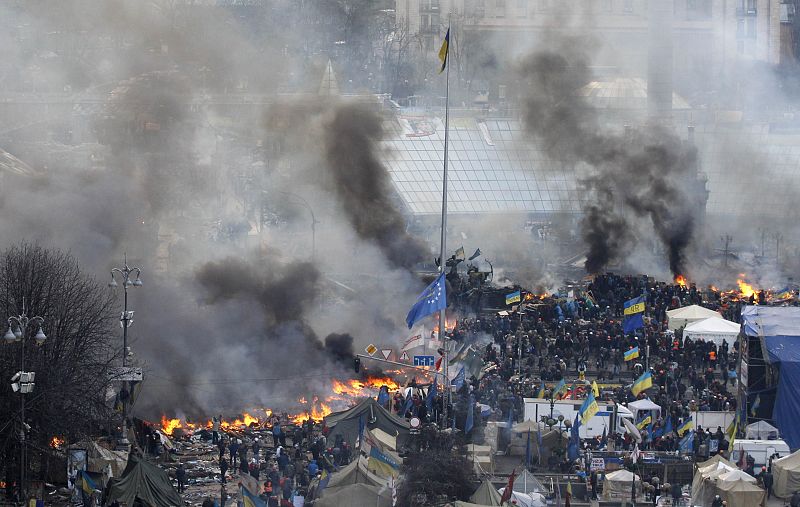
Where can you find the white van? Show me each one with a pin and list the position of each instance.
(760, 450)
(601, 422)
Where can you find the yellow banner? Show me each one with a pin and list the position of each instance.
(637, 308)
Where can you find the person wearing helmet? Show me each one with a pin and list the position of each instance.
(717, 501)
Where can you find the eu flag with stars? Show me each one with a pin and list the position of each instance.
(634, 311)
(432, 299)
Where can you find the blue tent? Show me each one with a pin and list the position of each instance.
(778, 328)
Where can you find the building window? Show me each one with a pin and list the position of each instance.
(500, 5)
(522, 8)
(698, 10)
(751, 28)
(544, 5)
(627, 6)
(476, 8)
(428, 5)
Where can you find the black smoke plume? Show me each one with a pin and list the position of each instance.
(362, 183)
(645, 172)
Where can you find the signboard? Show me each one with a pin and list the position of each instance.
(424, 361)
(371, 349)
(386, 353)
(126, 374)
(598, 464)
(404, 356)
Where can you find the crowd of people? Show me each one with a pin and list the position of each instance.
(543, 342)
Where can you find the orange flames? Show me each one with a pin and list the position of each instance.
(57, 442)
(358, 388)
(745, 289)
(168, 426)
(317, 413)
(681, 280)
(344, 392)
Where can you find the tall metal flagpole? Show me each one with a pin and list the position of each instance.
(443, 245)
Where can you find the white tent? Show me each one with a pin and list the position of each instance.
(681, 317)
(527, 499)
(736, 475)
(713, 329)
(618, 485)
(761, 430)
(787, 475)
(643, 405)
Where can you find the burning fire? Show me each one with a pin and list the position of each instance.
(317, 413)
(357, 388)
(56, 442)
(745, 288)
(343, 391)
(680, 280)
(168, 426)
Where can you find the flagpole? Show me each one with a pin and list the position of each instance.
(443, 243)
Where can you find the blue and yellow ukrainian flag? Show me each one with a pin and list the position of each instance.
(755, 405)
(588, 409)
(561, 386)
(514, 297)
(540, 394)
(634, 310)
(87, 484)
(647, 419)
(642, 383)
(444, 51)
(631, 354)
(686, 426)
(251, 500)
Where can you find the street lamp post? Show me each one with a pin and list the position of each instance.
(127, 319)
(23, 381)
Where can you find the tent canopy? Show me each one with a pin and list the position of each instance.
(643, 405)
(485, 494)
(786, 471)
(779, 331)
(761, 430)
(713, 329)
(736, 475)
(355, 494)
(618, 484)
(347, 423)
(144, 481)
(526, 482)
(681, 317)
(740, 493)
(354, 473)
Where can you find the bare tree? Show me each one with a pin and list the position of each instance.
(72, 367)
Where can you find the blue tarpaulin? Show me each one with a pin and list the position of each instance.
(779, 331)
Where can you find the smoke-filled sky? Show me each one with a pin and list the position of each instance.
(197, 143)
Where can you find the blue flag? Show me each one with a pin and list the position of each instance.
(430, 396)
(574, 440)
(687, 442)
(634, 312)
(459, 379)
(432, 299)
(383, 396)
(470, 415)
(528, 451)
(408, 404)
(668, 426)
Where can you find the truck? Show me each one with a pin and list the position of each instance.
(762, 451)
(603, 420)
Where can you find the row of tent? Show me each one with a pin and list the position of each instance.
(720, 477)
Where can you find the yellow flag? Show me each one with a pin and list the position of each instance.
(595, 389)
(444, 51)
